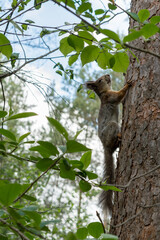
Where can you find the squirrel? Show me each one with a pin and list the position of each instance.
(108, 130)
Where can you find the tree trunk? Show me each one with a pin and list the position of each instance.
(136, 213)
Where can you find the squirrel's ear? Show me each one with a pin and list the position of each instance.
(90, 85)
(108, 78)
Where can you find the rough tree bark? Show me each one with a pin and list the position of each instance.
(136, 213)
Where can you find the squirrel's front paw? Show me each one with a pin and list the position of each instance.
(119, 135)
(130, 82)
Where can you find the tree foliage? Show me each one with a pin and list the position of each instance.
(22, 214)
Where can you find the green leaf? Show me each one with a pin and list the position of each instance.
(87, 37)
(133, 16)
(42, 151)
(5, 46)
(24, 26)
(84, 7)
(143, 15)
(70, 3)
(2, 147)
(8, 134)
(66, 171)
(23, 137)
(106, 188)
(114, 36)
(30, 208)
(76, 164)
(132, 36)
(3, 114)
(65, 48)
(99, 11)
(30, 198)
(14, 213)
(72, 59)
(78, 132)
(84, 186)
(121, 62)
(80, 87)
(14, 57)
(86, 159)
(103, 59)
(76, 43)
(29, 21)
(95, 229)
(112, 6)
(2, 237)
(17, 26)
(73, 146)
(44, 164)
(59, 72)
(14, 3)
(35, 216)
(155, 19)
(21, 115)
(50, 148)
(45, 32)
(89, 54)
(112, 62)
(92, 95)
(149, 30)
(37, 4)
(71, 236)
(9, 192)
(44, 223)
(106, 236)
(91, 175)
(82, 233)
(58, 126)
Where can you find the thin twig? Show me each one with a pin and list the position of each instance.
(4, 75)
(36, 180)
(31, 231)
(142, 50)
(141, 175)
(75, 14)
(23, 50)
(99, 217)
(14, 229)
(10, 15)
(134, 216)
(29, 9)
(4, 101)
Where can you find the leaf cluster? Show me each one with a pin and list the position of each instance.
(26, 218)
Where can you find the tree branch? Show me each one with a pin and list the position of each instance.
(99, 217)
(4, 75)
(134, 216)
(14, 229)
(141, 175)
(29, 9)
(142, 50)
(75, 14)
(36, 180)
(10, 15)
(4, 101)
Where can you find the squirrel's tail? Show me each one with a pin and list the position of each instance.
(106, 197)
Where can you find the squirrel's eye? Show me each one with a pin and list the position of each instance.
(99, 80)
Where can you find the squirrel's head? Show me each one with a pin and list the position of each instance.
(101, 85)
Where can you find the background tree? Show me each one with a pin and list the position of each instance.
(138, 168)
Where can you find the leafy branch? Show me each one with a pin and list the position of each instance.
(4, 75)
(14, 229)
